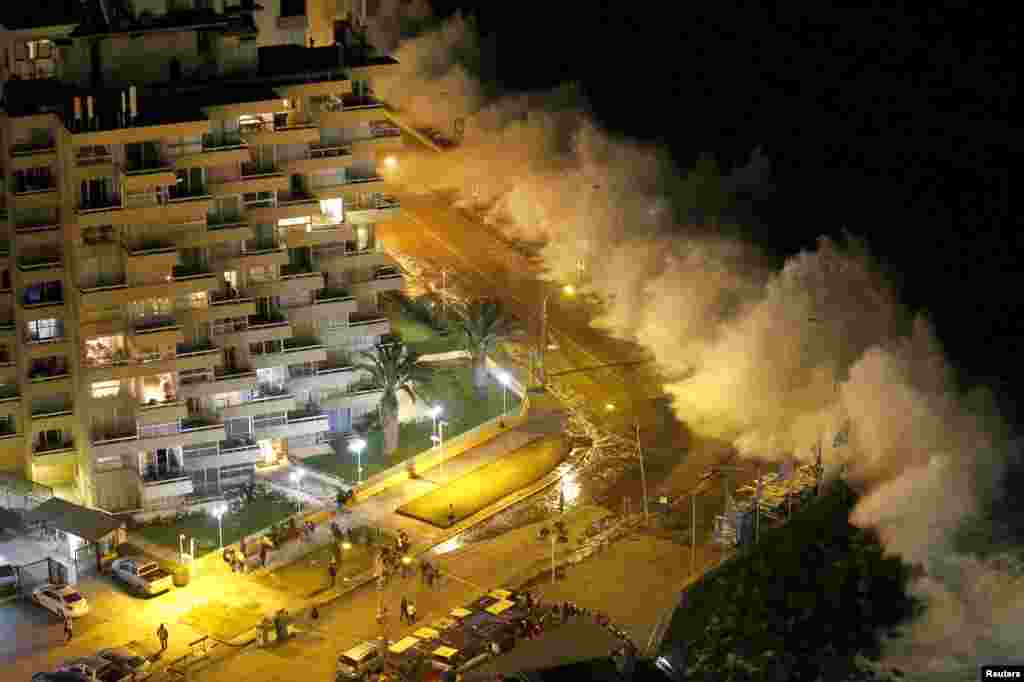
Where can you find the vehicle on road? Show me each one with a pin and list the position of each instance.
(130, 656)
(360, 661)
(96, 669)
(61, 600)
(8, 576)
(143, 576)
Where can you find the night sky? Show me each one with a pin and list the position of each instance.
(892, 125)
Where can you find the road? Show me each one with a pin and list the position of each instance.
(603, 370)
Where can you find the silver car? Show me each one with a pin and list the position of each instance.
(130, 657)
(360, 661)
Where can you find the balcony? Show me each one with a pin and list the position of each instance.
(328, 305)
(221, 308)
(165, 412)
(294, 352)
(197, 356)
(385, 279)
(157, 331)
(351, 111)
(224, 381)
(142, 177)
(35, 197)
(263, 405)
(180, 284)
(255, 177)
(219, 149)
(218, 232)
(51, 448)
(318, 234)
(294, 283)
(294, 133)
(373, 210)
(256, 255)
(152, 211)
(183, 432)
(36, 150)
(155, 487)
(320, 157)
(294, 207)
(361, 394)
(305, 379)
(289, 424)
(347, 189)
(225, 453)
(48, 375)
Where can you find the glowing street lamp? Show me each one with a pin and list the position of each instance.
(356, 446)
(435, 412)
(504, 378)
(297, 480)
(568, 290)
(390, 162)
(438, 439)
(218, 512)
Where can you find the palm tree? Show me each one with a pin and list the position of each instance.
(483, 324)
(394, 368)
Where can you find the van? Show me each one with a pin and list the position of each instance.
(360, 660)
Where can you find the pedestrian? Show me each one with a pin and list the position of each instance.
(314, 613)
(411, 611)
(332, 571)
(68, 629)
(451, 514)
(403, 610)
(263, 555)
(430, 576)
(162, 634)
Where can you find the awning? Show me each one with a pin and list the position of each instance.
(89, 524)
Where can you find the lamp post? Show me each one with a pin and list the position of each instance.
(438, 439)
(297, 480)
(218, 512)
(568, 290)
(504, 378)
(435, 412)
(356, 446)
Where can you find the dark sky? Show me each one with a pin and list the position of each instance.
(892, 125)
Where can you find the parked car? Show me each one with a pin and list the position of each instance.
(8, 576)
(360, 660)
(63, 676)
(143, 576)
(129, 656)
(61, 600)
(96, 669)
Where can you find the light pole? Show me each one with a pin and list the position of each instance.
(345, 546)
(297, 480)
(218, 512)
(438, 439)
(356, 446)
(504, 378)
(568, 290)
(643, 471)
(435, 412)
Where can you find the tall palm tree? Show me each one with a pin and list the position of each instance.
(483, 323)
(394, 368)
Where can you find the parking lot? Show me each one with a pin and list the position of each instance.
(32, 638)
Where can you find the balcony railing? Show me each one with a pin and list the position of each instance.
(50, 447)
(330, 295)
(362, 319)
(23, 188)
(191, 349)
(148, 167)
(32, 148)
(372, 203)
(220, 141)
(175, 194)
(295, 345)
(39, 262)
(184, 272)
(171, 475)
(266, 319)
(350, 101)
(296, 270)
(328, 150)
(43, 375)
(96, 205)
(220, 222)
(257, 168)
(154, 324)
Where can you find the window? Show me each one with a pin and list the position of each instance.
(97, 193)
(44, 330)
(45, 292)
(105, 350)
(142, 155)
(262, 273)
(103, 234)
(106, 389)
(191, 183)
(35, 59)
(258, 198)
(7, 424)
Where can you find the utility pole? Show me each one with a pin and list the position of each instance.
(543, 345)
(693, 531)
(643, 471)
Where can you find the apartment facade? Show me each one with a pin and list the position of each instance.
(189, 261)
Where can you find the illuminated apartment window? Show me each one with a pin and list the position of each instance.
(262, 273)
(105, 350)
(158, 388)
(35, 59)
(45, 330)
(106, 389)
(197, 299)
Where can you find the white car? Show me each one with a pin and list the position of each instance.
(61, 600)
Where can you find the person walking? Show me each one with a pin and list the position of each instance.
(451, 515)
(162, 634)
(68, 629)
(263, 555)
(410, 611)
(332, 571)
(403, 610)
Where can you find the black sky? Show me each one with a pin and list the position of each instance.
(890, 123)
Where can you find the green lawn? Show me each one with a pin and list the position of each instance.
(469, 494)
(255, 516)
(420, 336)
(307, 577)
(451, 387)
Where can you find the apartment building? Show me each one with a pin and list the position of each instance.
(188, 260)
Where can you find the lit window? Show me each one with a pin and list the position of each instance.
(198, 300)
(106, 389)
(105, 350)
(42, 330)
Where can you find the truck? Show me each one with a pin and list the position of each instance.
(143, 576)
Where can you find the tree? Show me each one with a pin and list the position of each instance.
(393, 368)
(483, 324)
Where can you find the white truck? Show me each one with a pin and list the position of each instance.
(143, 576)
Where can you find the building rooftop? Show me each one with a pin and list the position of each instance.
(87, 523)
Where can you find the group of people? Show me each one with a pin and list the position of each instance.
(237, 559)
(407, 611)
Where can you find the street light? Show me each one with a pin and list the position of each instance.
(568, 290)
(504, 378)
(356, 446)
(438, 439)
(297, 480)
(218, 511)
(435, 412)
(390, 162)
